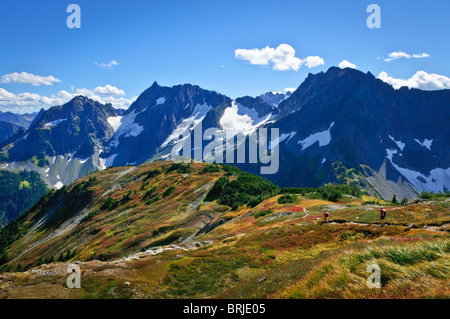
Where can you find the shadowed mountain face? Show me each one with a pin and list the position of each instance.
(8, 130)
(345, 120)
(62, 143)
(341, 126)
(73, 128)
(158, 113)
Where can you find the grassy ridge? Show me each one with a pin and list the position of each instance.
(277, 247)
(404, 271)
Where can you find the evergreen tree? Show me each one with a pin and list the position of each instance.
(394, 200)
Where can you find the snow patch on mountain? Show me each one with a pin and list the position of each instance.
(114, 121)
(426, 143)
(282, 138)
(54, 123)
(20, 139)
(58, 185)
(240, 119)
(274, 98)
(107, 162)
(127, 128)
(400, 145)
(438, 179)
(160, 101)
(188, 124)
(324, 138)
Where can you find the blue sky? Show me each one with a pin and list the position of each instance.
(175, 42)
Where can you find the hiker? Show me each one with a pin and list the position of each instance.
(325, 215)
(382, 216)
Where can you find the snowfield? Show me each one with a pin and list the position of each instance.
(107, 162)
(426, 143)
(239, 119)
(115, 122)
(400, 145)
(324, 138)
(438, 179)
(126, 128)
(188, 124)
(54, 123)
(58, 185)
(281, 139)
(160, 101)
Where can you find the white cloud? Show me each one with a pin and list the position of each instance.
(282, 57)
(421, 80)
(313, 61)
(108, 90)
(421, 56)
(31, 102)
(345, 64)
(255, 56)
(28, 78)
(400, 54)
(108, 65)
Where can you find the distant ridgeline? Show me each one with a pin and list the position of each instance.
(18, 192)
(341, 126)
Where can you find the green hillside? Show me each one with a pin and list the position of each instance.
(165, 230)
(18, 192)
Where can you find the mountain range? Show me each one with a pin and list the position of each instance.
(11, 123)
(341, 126)
(20, 119)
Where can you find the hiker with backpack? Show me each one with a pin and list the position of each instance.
(325, 216)
(382, 216)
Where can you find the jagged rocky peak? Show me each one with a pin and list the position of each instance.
(74, 127)
(177, 98)
(274, 98)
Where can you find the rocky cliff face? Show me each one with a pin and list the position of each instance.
(62, 143)
(350, 125)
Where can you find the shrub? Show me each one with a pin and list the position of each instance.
(149, 193)
(432, 195)
(109, 204)
(287, 198)
(334, 192)
(179, 168)
(247, 189)
(125, 198)
(210, 169)
(151, 174)
(262, 213)
(168, 191)
(300, 190)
